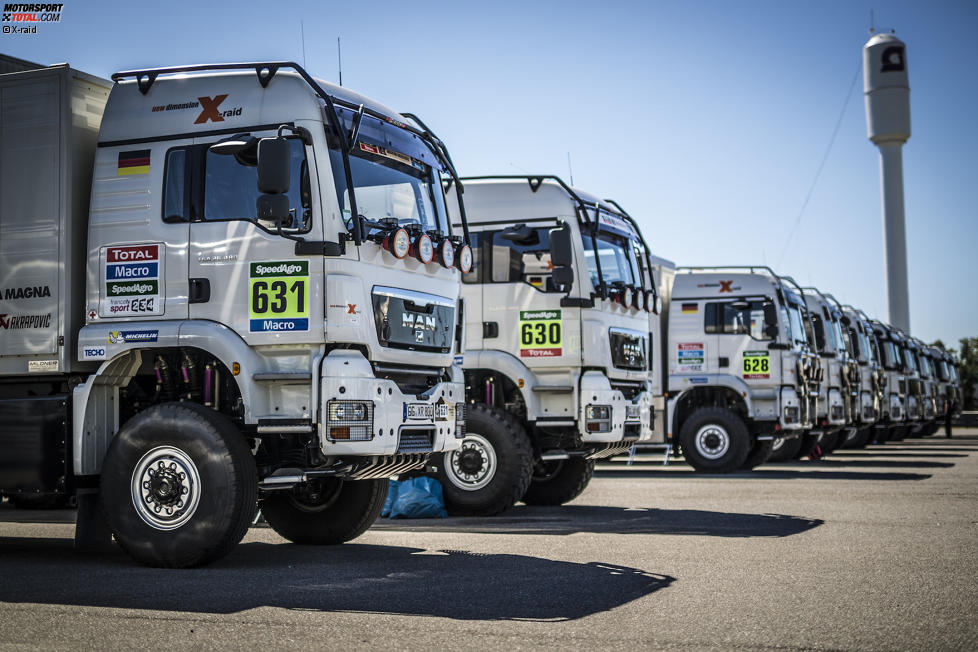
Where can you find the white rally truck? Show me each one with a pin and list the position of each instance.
(557, 349)
(893, 417)
(741, 373)
(872, 378)
(222, 284)
(835, 404)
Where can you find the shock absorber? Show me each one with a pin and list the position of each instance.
(166, 385)
(191, 381)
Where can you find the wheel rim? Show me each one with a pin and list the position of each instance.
(316, 496)
(712, 441)
(473, 466)
(166, 488)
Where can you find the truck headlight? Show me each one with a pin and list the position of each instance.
(791, 414)
(597, 418)
(836, 412)
(350, 420)
(632, 412)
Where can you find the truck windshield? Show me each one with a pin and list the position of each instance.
(617, 259)
(798, 324)
(839, 338)
(389, 184)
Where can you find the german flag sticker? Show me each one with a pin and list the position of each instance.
(133, 162)
(690, 308)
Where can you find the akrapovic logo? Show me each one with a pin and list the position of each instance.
(24, 321)
(32, 13)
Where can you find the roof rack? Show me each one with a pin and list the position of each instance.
(753, 269)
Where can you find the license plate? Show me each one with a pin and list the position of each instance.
(446, 412)
(419, 411)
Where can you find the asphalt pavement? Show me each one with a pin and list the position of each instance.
(867, 550)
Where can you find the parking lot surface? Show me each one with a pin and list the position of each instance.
(874, 549)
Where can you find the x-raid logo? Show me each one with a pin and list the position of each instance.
(210, 109)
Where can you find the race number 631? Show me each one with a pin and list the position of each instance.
(279, 296)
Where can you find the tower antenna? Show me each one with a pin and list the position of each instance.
(339, 58)
(570, 169)
(872, 22)
(302, 33)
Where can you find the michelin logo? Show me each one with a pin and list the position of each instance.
(129, 337)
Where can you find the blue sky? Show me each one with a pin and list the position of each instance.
(706, 120)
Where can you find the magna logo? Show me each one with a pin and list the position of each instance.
(209, 110)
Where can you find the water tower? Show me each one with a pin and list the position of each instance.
(888, 126)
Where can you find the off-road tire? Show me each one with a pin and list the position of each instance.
(786, 451)
(697, 426)
(863, 437)
(556, 486)
(829, 442)
(513, 464)
(759, 453)
(808, 444)
(226, 491)
(344, 510)
(898, 433)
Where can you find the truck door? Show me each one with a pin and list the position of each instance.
(242, 272)
(521, 307)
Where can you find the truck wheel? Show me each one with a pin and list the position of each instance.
(829, 442)
(898, 433)
(559, 481)
(492, 469)
(860, 439)
(786, 450)
(759, 453)
(715, 440)
(325, 512)
(178, 486)
(808, 444)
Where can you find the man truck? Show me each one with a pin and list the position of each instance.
(557, 348)
(221, 284)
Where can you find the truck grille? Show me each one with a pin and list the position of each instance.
(416, 441)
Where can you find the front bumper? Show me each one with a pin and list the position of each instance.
(397, 423)
(629, 419)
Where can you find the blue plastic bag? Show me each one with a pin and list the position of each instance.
(415, 498)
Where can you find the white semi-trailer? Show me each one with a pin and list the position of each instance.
(221, 284)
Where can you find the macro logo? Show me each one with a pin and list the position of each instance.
(32, 13)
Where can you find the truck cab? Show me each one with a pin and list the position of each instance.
(741, 374)
(835, 407)
(268, 305)
(893, 419)
(557, 347)
(870, 376)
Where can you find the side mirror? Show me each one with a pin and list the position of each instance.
(563, 277)
(561, 247)
(274, 166)
(770, 317)
(274, 208)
